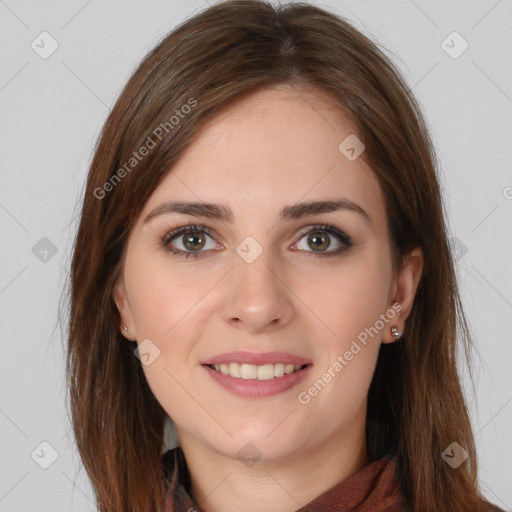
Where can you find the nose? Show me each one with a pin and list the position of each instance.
(257, 297)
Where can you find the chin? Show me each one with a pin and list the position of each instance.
(257, 444)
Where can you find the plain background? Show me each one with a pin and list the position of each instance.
(52, 110)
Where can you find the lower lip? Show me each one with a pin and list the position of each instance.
(254, 388)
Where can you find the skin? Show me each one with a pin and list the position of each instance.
(272, 149)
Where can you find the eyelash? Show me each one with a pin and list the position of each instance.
(192, 228)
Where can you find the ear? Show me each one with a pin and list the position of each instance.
(405, 287)
(125, 317)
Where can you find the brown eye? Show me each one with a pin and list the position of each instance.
(194, 241)
(189, 240)
(319, 241)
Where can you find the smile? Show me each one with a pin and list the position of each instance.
(259, 372)
(258, 381)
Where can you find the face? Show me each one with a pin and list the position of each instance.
(262, 283)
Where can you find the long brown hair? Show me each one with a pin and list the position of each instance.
(222, 54)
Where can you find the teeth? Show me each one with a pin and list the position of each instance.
(252, 371)
(278, 370)
(248, 371)
(265, 372)
(234, 369)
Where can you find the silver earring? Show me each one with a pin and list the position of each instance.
(125, 328)
(395, 332)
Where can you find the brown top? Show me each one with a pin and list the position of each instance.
(374, 488)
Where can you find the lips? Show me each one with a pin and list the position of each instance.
(255, 358)
(257, 375)
(254, 388)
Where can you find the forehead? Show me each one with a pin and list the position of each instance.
(275, 147)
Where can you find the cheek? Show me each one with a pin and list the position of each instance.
(166, 308)
(350, 306)
(358, 298)
(169, 306)
(163, 297)
(350, 298)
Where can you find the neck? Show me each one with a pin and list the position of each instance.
(220, 483)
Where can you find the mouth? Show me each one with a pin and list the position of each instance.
(267, 371)
(257, 374)
(251, 381)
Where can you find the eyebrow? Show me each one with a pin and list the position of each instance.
(225, 214)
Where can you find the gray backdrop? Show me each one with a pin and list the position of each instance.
(62, 66)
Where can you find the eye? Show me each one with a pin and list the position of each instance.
(189, 241)
(192, 240)
(320, 238)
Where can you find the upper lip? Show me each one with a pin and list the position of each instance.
(256, 358)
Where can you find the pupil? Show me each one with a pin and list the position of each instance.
(319, 241)
(194, 240)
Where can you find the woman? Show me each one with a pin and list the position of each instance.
(262, 257)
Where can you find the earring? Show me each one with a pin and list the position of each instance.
(395, 332)
(125, 328)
